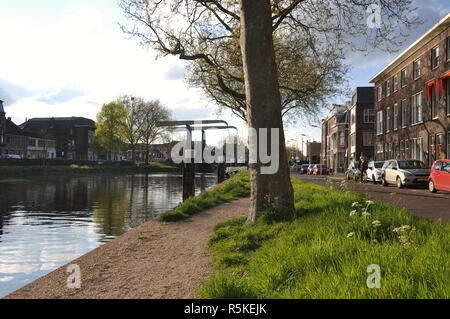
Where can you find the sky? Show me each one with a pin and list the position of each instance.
(69, 57)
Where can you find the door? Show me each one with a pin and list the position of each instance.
(444, 177)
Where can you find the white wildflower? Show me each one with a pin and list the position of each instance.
(353, 212)
(365, 214)
(350, 235)
(376, 223)
(370, 202)
(356, 204)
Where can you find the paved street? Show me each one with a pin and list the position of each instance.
(418, 201)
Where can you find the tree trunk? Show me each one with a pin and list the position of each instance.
(268, 192)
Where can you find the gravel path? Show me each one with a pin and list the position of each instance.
(169, 261)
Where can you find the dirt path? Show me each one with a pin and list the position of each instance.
(170, 262)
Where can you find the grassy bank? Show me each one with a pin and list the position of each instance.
(325, 251)
(15, 171)
(237, 186)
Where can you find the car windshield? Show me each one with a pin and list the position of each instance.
(411, 165)
(378, 164)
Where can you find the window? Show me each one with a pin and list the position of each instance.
(388, 88)
(328, 143)
(388, 119)
(407, 150)
(379, 152)
(403, 77)
(440, 146)
(369, 116)
(386, 151)
(395, 117)
(395, 81)
(448, 144)
(402, 149)
(380, 122)
(341, 139)
(368, 138)
(433, 102)
(447, 94)
(416, 108)
(448, 48)
(380, 92)
(395, 151)
(417, 148)
(416, 69)
(403, 113)
(434, 57)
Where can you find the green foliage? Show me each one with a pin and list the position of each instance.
(237, 186)
(324, 252)
(111, 126)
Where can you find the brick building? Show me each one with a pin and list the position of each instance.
(313, 152)
(412, 100)
(73, 135)
(361, 123)
(335, 138)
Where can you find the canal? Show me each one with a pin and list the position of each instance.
(45, 222)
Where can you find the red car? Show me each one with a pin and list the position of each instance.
(320, 169)
(439, 178)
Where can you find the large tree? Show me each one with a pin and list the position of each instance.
(308, 33)
(152, 112)
(111, 126)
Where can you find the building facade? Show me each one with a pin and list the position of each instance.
(335, 138)
(361, 124)
(73, 135)
(412, 100)
(313, 150)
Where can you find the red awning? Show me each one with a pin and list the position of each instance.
(431, 83)
(446, 75)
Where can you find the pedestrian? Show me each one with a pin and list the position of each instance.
(364, 167)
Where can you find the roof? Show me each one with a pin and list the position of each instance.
(58, 125)
(431, 33)
(12, 129)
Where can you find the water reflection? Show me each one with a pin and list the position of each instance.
(46, 222)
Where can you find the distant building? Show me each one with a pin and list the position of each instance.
(13, 141)
(73, 135)
(156, 153)
(313, 152)
(413, 100)
(334, 138)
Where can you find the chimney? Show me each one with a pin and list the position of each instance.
(1, 107)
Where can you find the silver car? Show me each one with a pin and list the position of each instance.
(404, 173)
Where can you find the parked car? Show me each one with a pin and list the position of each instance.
(353, 171)
(374, 171)
(12, 156)
(304, 168)
(320, 169)
(439, 178)
(404, 173)
(310, 169)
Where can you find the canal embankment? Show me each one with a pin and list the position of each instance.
(154, 260)
(8, 171)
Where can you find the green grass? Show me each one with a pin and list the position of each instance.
(313, 255)
(237, 186)
(14, 171)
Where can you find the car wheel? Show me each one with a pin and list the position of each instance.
(431, 187)
(399, 182)
(374, 180)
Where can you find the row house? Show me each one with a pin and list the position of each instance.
(348, 131)
(412, 100)
(14, 141)
(73, 135)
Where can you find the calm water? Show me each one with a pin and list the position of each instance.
(46, 222)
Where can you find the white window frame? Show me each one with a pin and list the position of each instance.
(388, 88)
(395, 126)
(395, 83)
(380, 93)
(380, 123)
(416, 69)
(403, 77)
(417, 108)
(368, 113)
(435, 49)
(388, 120)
